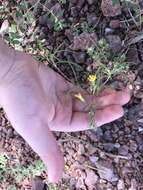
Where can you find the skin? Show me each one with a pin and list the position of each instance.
(38, 101)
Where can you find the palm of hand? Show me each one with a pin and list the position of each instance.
(37, 99)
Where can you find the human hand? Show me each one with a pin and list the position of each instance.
(37, 101)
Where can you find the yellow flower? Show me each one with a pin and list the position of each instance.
(91, 78)
(79, 97)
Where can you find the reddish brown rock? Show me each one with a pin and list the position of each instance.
(114, 24)
(84, 41)
(109, 9)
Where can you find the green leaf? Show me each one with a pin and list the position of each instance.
(30, 18)
(19, 14)
(62, 1)
(24, 5)
(11, 187)
(115, 2)
(13, 28)
(15, 42)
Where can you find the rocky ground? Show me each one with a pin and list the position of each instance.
(110, 157)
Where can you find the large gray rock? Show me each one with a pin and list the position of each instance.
(115, 43)
(105, 171)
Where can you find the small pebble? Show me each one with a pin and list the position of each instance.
(114, 24)
(93, 159)
(90, 2)
(123, 150)
(120, 185)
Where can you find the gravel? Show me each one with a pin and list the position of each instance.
(109, 157)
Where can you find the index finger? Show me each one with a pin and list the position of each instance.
(81, 120)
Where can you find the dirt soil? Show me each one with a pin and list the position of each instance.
(110, 157)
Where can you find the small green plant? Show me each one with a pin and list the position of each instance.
(43, 54)
(107, 66)
(21, 24)
(86, 28)
(101, 52)
(14, 37)
(3, 165)
(59, 23)
(20, 172)
(4, 10)
(17, 172)
(82, 27)
(38, 168)
(11, 187)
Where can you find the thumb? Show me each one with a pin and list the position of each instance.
(44, 144)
